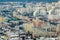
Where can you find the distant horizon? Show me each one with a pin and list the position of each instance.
(29, 0)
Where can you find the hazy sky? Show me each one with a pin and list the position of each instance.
(28, 0)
